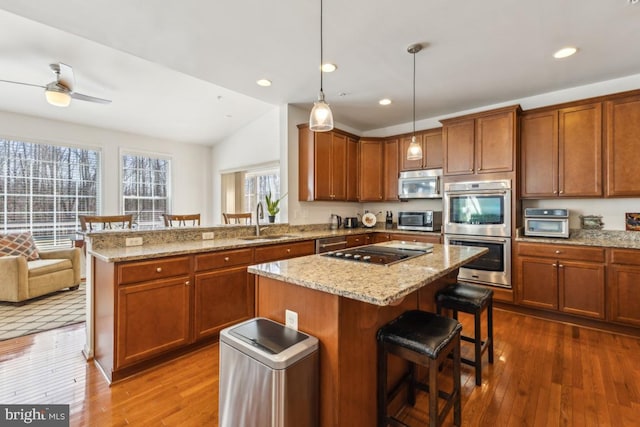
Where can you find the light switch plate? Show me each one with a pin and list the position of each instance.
(291, 319)
(133, 241)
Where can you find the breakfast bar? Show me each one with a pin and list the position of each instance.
(343, 303)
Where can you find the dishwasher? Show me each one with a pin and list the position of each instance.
(268, 376)
(331, 244)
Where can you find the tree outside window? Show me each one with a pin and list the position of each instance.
(145, 188)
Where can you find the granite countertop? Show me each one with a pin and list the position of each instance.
(370, 283)
(171, 248)
(602, 238)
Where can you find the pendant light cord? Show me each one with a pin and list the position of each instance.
(321, 47)
(414, 94)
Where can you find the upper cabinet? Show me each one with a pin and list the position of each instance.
(431, 141)
(480, 143)
(561, 152)
(323, 158)
(391, 169)
(622, 146)
(378, 170)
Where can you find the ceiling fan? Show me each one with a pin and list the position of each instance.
(60, 91)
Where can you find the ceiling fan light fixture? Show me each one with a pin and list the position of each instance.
(57, 97)
(321, 117)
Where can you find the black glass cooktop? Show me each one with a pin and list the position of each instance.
(380, 254)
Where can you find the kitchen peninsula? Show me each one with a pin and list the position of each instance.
(343, 304)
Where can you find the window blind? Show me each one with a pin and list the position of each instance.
(146, 188)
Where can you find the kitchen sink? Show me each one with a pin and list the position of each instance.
(268, 237)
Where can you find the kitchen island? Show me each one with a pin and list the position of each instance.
(343, 303)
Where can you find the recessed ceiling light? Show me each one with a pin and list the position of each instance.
(565, 52)
(385, 101)
(264, 82)
(329, 68)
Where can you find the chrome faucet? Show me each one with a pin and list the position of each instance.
(259, 216)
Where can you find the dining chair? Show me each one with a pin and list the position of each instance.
(236, 218)
(189, 220)
(105, 222)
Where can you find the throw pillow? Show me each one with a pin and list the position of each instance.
(19, 244)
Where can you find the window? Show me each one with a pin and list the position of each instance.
(43, 189)
(145, 188)
(258, 184)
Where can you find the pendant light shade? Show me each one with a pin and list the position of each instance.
(414, 152)
(321, 118)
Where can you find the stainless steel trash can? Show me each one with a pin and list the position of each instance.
(268, 376)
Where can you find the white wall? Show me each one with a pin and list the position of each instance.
(191, 184)
(258, 143)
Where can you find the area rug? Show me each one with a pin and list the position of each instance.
(40, 314)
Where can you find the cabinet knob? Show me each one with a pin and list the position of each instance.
(288, 250)
(558, 252)
(554, 265)
(555, 192)
(226, 258)
(187, 283)
(470, 170)
(561, 191)
(159, 270)
(560, 265)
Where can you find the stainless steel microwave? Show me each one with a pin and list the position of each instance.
(420, 220)
(546, 222)
(420, 184)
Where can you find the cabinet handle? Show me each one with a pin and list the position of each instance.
(159, 270)
(226, 258)
(187, 283)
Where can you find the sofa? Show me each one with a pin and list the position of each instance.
(49, 271)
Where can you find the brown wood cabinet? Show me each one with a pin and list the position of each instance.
(622, 146)
(322, 162)
(391, 169)
(431, 141)
(480, 143)
(284, 251)
(372, 170)
(424, 238)
(224, 293)
(353, 171)
(569, 279)
(623, 287)
(358, 240)
(562, 152)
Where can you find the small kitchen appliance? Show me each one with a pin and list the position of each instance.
(420, 184)
(546, 222)
(420, 220)
(351, 222)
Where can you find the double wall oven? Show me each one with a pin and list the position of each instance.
(479, 214)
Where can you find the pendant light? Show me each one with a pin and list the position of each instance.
(321, 118)
(415, 150)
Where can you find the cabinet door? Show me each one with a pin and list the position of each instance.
(391, 174)
(152, 318)
(222, 298)
(406, 164)
(323, 178)
(495, 143)
(338, 166)
(371, 170)
(581, 287)
(539, 155)
(623, 155)
(624, 294)
(580, 151)
(352, 170)
(432, 149)
(538, 281)
(458, 140)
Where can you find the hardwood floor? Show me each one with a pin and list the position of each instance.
(545, 374)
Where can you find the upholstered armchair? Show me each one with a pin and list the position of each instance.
(21, 280)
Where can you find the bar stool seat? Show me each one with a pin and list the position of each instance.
(473, 300)
(426, 339)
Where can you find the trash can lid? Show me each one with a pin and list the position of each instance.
(268, 335)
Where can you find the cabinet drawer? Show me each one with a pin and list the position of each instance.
(155, 269)
(359, 240)
(224, 259)
(625, 256)
(562, 252)
(284, 251)
(433, 238)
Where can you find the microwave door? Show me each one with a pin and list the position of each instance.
(419, 188)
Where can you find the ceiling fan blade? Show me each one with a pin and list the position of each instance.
(82, 97)
(22, 83)
(65, 75)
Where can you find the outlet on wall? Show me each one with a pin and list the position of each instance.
(208, 235)
(133, 241)
(291, 319)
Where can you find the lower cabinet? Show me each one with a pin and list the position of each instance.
(415, 237)
(568, 279)
(624, 286)
(284, 251)
(358, 240)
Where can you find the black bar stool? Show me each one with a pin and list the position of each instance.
(474, 300)
(426, 339)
